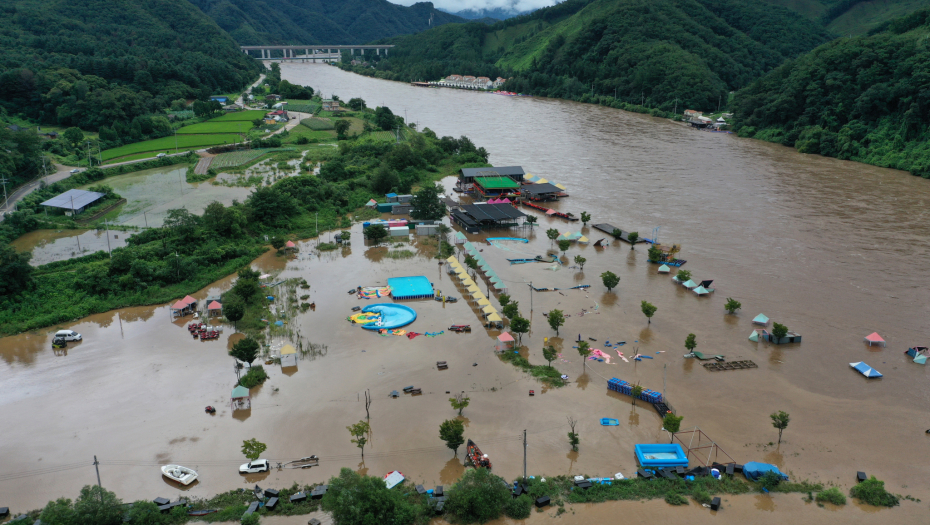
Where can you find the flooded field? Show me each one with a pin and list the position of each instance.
(151, 193)
(58, 245)
(830, 248)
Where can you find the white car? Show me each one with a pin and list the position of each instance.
(75, 170)
(259, 465)
(160, 155)
(68, 335)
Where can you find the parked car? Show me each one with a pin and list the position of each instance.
(75, 170)
(259, 465)
(68, 335)
(160, 155)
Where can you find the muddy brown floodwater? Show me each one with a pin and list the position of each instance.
(832, 249)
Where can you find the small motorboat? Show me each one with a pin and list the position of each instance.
(609, 422)
(203, 512)
(183, 475)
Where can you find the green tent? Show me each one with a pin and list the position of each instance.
(754, 336)
(240, 391)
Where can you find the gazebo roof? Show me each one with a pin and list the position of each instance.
(505, 338)
(874, 338)
(289, 244)
(288, 349)
(188, 300)
(239, 391)
(214, 305)
(495, 318)
(180, 305)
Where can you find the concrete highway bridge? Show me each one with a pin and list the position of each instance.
(314, 53)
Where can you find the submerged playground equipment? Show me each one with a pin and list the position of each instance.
(385, 316)
(661, 455)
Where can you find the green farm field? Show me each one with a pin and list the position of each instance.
(212, 126)
(240, 115)
(167, 144)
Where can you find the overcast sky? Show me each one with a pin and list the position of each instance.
(461, 5)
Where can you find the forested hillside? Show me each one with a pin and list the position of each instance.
(93, 62)
(852, 17)
(652, 51)
(320, 21)
(865, 99)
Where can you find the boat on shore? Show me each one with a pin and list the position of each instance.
(183, 475)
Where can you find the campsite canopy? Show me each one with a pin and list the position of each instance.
(505, 338)
(188, 300)
(494, 318)
(689, 284)
(372, 203)
(290, 244)
(542, 181)
(214, 305)
(484, 302)
(288, 349)
(754, 336)
(488, 309)
(180, 305)
(478, 296)
(761, 319)
(466, 282)
(550, 211)
(473, 288)
(700, 290)
(865, 369)
(874, 338)
(529, 177)
(583, 240)
(664, 269)
(559, 186)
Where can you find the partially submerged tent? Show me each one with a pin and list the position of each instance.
(215, 308)
(754, 336)
(371, 203)
(689, 284)
(506, 338)
(288, 356)
(484, 302)
(761, 319)
(755, 470)
(664, 268)
(700, 290)
(561, 187)
(865, 370)
(489, 309)
(874, 339)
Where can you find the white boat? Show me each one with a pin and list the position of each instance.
(183, 475)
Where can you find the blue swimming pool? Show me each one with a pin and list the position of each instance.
(416, 287)
(661, 455)
(392, 316)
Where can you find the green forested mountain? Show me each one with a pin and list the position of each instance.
(852, 17)
(865, 99)
(320, 21)
(657, 51)
(94, 62)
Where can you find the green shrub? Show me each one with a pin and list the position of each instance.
(701, 496)
(872, 492)
(251, 519)
(519, 508)
(832, 495)
(478, 496)
(327, 246)
(674, 498)
(254, 377)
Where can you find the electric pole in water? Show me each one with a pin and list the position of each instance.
(524, 455)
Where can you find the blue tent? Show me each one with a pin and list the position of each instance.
(754, 470)
(865, 369)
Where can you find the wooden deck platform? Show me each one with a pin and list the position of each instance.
(609, 230)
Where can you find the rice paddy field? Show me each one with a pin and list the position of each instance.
(240, 115)
(238, 158)
(212, 126)
(167, 144)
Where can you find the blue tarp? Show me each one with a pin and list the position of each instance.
(865, 369)
(754, 470)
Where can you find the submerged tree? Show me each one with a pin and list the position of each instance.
(584, 350)
(552, 233)
(779, 330)
(633, 237)
(732, 305)
(359, 431)
(573, 438)
(564, 246)
(556, 319)
(452, 432)
(245, 350)
(610, 280)
(585, 218)
(690, 342)
(426, 204)
(579, 260)
(459, 402)
(549, 354)
(672, 424)
(519, 325)
(253, 449)
(636, 391)
(375, 233)
(780, 421)
(649, 310)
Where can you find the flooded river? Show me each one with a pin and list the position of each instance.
(832, 249)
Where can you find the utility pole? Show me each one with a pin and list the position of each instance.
(144, 216)
(664, 368)
(524, 454)
(531, 299)
(88, 154)
(675, 112)
(108, 237)
(176, 139)
(719, 98)
(5, 198)
(97, 468)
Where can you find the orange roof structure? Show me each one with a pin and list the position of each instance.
(214, 305)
